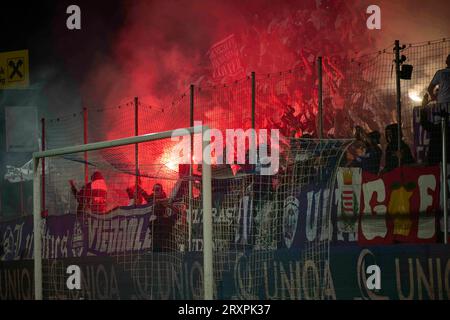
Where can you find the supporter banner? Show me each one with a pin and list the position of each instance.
(16, 239)
(400, 206)
(418, 272)
(301, 215)
(225, 59)
(125, 230)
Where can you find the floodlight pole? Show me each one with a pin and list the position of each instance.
(399, 97)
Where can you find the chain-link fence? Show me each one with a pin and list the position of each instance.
(358, 100)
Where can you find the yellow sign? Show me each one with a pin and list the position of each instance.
(14, 70)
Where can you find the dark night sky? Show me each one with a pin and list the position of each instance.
(40, 27)
(60, 56)
(60, 59)
(55, 76)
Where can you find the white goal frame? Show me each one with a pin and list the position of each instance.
(208, 276)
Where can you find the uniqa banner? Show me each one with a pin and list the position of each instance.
(406, 272)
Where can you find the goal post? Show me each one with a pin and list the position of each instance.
(208, 280)
(175, 230)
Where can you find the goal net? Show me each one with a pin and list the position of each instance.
(154, 229)
(118, 204)
(261, 219)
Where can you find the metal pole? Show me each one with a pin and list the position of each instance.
(399, 97)
(43, 162)
(117, 143)
(320, 95)
(208, 274)
(85, 141)
(136, 149)
(253, 137)
(320, 107)
(444, 121)
(22, 211)
(253, 98)
(191, 124)
(37, 236)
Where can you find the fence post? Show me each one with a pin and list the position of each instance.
(43, 165)
(208, 251)
(399, 97)
(444, 121)
(37, 234)
(320, 95)
(85, 141)
(253, 137)
(22, 209)
(253, 99)
(191, 124)
(136, 149)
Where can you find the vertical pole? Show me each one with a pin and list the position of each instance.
(444, 121)
(253, 137)
(43, 163)
(191, 105)
(22, 210)
(37, 243)
(320, 102)
(208, 275)
(85, 141)
(320, 95)
(253, 99)
(136, 149)
(399, 101)
(191, 124)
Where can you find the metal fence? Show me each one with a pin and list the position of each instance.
(330, 96)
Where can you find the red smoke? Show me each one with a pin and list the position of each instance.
(164, 46)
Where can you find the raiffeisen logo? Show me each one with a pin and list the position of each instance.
(232, 149)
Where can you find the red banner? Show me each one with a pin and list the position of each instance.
(225, 59)
(400, 206)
